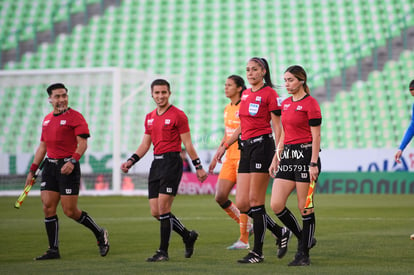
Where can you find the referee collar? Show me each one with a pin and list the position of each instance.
(164, 111)
(299, 99)
(61, 112)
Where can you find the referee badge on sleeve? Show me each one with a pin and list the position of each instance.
(279, 101)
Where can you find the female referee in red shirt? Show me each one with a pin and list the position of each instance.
(64, 139)
(258, 107)
(296, 162)
(166, 127)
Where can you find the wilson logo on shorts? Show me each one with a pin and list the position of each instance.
(253, 109)
(258, 165)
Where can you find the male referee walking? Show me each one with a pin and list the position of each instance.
(64, 139)
(166, 127)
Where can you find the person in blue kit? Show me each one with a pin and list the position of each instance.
(410, 130)
(408, 134)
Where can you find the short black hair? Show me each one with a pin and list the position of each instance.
(160, 82)
(55, 86)
(412, 84)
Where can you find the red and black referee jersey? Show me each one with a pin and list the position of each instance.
(255, 108)
(59, 132)
(297, 117)
(165, 129)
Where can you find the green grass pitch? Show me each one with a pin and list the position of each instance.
(357, 234)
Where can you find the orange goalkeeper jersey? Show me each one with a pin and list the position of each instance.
(231, 123)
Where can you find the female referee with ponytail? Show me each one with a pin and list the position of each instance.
(258, 107)
(296, 162)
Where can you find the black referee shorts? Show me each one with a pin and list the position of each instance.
(165, 174)
(54, 180)
(256, 154)
(294, 162)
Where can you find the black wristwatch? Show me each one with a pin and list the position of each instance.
(73, 161)
(313, 164)
(199, 167)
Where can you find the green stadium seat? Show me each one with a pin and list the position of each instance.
(77, 6)
(204, 53)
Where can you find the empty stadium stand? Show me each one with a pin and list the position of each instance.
(202, 42)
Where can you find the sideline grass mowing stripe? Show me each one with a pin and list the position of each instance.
(357, 234)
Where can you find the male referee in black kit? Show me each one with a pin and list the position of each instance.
(166, 127)
(64, 139)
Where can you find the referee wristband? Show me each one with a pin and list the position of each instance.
(134, 158)
(196, 162)
(33, 167)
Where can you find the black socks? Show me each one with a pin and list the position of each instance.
(308, 232)
(165, 231)
(258, 214)
(87, 221)
(288, 219)
(179, 227)
(52, 230)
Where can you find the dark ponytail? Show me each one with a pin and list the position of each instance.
(267, 77)
(263, 63)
